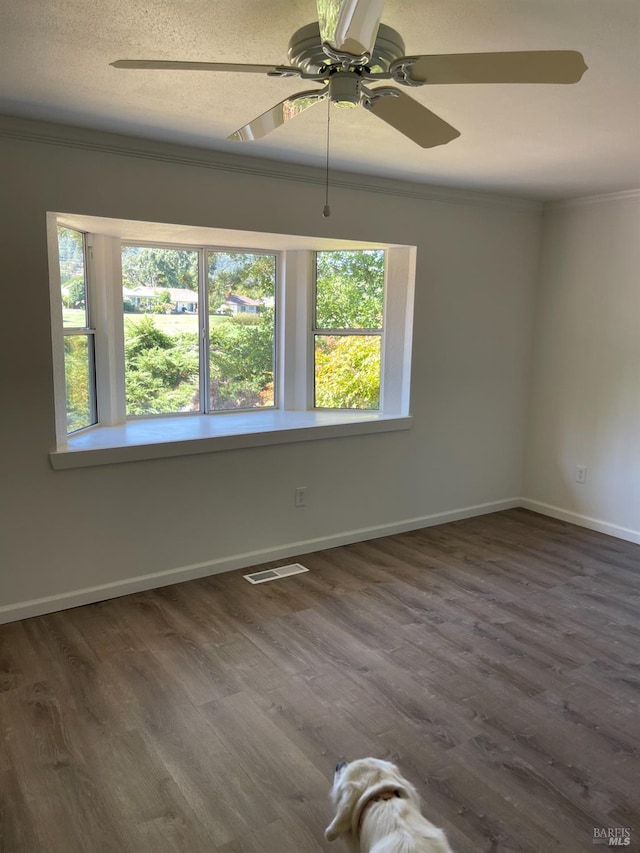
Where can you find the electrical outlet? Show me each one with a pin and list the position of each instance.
(300, 498)
(581, 474)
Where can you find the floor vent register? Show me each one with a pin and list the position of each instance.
(276, 574)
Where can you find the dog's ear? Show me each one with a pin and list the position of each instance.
(402, 784)
(410, 791)
(344, 809)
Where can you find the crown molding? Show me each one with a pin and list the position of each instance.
(587, 201)
(69, 136)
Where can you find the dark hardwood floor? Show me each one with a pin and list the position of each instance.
(496, 660)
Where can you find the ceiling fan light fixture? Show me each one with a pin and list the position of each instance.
(345, 105)
(344, 89)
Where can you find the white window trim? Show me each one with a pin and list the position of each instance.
(115, 439)
(148, 438)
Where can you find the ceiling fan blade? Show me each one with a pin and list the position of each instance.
(523, 66)
(197, 66)
(349, 26)
(409, 117)
(278, 115)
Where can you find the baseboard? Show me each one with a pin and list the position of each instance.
(626, 533)
(89, 595)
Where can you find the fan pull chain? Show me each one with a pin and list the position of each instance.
(327, 210)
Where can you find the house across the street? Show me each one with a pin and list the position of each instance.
(186, 301)
(181, 298)
(240, 304)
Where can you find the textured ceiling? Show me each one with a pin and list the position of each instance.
(537, 141)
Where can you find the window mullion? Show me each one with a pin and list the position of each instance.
(296, 341)
(105, 283)
(309, 323)
(203, 325)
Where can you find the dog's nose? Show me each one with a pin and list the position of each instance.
(340, 765)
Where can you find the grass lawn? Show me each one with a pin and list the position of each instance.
(170, 324)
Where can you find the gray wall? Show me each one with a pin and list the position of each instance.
(69, 531)
(585, 390)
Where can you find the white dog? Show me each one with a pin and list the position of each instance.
(378, 811)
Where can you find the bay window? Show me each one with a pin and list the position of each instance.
(221, 340)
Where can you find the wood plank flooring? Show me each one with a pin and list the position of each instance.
(496, 660)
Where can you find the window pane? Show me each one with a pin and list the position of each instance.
(347, 371)
(73, 281)
(79, 381)
(161, 342)
(349, 289)
(241, 294)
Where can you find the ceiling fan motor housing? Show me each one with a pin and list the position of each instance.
(307, 53)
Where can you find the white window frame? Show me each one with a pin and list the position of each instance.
(351, 331)
(117, 438)
(203, 321)
(61, 332)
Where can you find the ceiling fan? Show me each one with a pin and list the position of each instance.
(348, 48)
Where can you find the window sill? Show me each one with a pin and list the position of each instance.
(158, 438)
